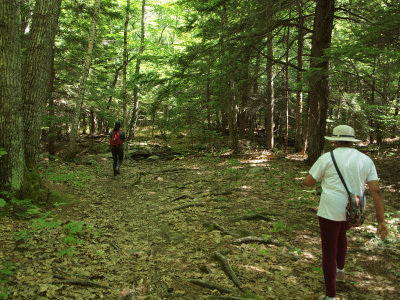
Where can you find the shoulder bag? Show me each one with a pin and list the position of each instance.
(356, 203)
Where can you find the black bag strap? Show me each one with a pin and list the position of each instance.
(340, 174)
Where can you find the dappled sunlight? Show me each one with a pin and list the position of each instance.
(254, 268)
(245, 187)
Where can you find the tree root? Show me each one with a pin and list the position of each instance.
(228, 269)
(211, 286)
(82, 283)
(257, 239)
(252, 217)
(220, 228)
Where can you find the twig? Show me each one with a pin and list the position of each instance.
(211, 286)
(257, 239)
(228, 269)
(114, 246)
(82, 283)
(220, 228)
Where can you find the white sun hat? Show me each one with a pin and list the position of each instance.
(343, 133)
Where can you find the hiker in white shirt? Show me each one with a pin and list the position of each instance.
(357, 170)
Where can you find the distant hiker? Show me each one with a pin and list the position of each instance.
(117, 137)
(356, 170)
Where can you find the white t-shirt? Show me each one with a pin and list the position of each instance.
(357, 169)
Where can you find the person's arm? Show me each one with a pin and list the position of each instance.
(376, 194)
(309, 180)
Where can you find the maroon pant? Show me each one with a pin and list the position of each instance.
(334, 248)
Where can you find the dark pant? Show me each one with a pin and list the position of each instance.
(334, 248)
(118, 157)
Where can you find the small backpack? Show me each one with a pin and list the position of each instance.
(116, 140)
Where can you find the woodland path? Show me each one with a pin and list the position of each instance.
(162, 222)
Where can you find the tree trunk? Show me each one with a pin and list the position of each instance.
(124, 72)
(208, 101)
(244, 92)
(232, 121)
(372, 102)
(269, 112)
(286, 86)
(299, 94)
(52, 126)
(124, 69)
(11, 125)
(319, 65)
(92, 122)
(36, 70)
(82, 83)
(135, 110)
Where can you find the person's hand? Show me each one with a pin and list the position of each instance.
(382, 230)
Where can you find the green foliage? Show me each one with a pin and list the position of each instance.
(6, 273)
(72, 230)
(280, 227)
(2, 152)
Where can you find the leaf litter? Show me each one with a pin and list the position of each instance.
(153, 233)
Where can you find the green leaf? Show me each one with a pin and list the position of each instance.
(2, 202)
(2, 152)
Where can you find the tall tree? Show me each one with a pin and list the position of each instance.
(82, 82)
(124, 70)
(11, 123)
(299, 79)
(135, 110)
(270, 101)
(36, 71)
(319, 67)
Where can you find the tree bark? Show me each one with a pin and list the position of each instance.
(319, 89)
(36, 70)
(269, 111)
(135, 110)
(124, 69)
(286, 84)
(82, 82)
(51, 111)
(11, 125)
(372, 102)
(299, 94)
(244, 92)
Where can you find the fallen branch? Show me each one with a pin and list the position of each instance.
(228, 269)
(257, 239)
(211, 286)
(220, 228)
(82, 283)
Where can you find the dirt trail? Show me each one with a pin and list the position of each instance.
(160, 224)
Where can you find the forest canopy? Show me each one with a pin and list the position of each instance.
(279, 74)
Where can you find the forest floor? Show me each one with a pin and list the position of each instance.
(168, 226)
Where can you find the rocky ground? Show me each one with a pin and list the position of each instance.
(192, 227)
